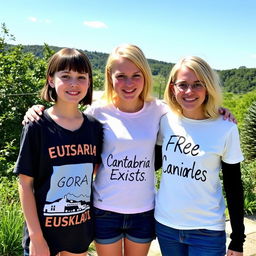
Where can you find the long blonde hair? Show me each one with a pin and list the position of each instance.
(205, 74)
(135, 55)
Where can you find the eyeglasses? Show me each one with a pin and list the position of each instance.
(183, 87)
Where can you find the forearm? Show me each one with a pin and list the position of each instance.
(235, 201)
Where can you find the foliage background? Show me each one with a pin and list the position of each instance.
(22, 75)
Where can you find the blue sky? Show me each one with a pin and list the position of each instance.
(223, 32)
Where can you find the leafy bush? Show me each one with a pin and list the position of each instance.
(238, 104)
(249, 183)
(248, 133)
(22, 75)
(11, 218)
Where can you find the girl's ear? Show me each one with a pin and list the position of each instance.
(51, 81)
(171, 87)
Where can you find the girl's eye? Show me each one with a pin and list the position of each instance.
(65, 77)
(183, 86)
(82, 78)
(120, 76)
(137, 76)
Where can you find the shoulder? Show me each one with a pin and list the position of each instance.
(91, 119)
(38, 124)
(95, 124)
(170, 115)
(224, 124)
(96, 107)
(157, 105)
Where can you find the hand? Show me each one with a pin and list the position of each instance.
(227, 115)
(33, 114)
(38, 247)
(234, 253)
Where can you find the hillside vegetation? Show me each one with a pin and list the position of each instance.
(238, 80)
(22, 73)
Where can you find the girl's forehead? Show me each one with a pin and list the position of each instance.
(124, 65)
(186, 73)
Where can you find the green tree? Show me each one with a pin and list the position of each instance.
(248, 133)
(238, 104)
(98, 80)
(22, 76)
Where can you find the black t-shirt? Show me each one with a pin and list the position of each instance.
(61, 163)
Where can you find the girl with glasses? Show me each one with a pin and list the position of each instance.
(196, 145)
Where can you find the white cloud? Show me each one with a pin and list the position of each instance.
(253, 56)
(95, 24)
(32, 19)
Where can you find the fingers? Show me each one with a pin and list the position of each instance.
(234, 253)
(33, 114)
(227, 115)
(38, 109)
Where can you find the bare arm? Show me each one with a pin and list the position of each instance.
(33, 114)
(38, 246)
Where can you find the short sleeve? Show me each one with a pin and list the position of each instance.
(232, 151)
(26, 161)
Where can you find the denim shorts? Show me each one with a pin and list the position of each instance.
(26, 252)
(110, 227)
(193, 242)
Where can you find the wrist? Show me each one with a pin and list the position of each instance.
(36, 236)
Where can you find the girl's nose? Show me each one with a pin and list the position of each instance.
(128, 81)
(73, 82)
(189, 89)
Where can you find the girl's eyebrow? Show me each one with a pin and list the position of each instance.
(182, 81)
(68, 71)
(136, 72)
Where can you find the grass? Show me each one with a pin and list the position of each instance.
(11, 217)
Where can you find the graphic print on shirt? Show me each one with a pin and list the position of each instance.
(185, 148)
(70, 190)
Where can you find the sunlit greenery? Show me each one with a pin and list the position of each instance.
(22, 72)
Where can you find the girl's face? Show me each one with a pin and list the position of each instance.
(128, 83)
(190, 93)
(70, 86)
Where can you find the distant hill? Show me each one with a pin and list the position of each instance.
(98, 59)
(239, 80)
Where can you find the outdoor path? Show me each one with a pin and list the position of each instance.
(249, 245)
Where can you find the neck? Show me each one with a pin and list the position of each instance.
(67, 111)
(68, 118)
(196, 116)
(129, 107)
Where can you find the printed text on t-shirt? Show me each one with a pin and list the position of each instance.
(180, 145)
(127, 169)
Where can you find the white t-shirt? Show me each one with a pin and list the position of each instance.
(125, 182)
(190, 194)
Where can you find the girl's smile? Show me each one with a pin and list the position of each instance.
(128, 84)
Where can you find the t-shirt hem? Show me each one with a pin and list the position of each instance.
(123, 211)
(181, 227)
